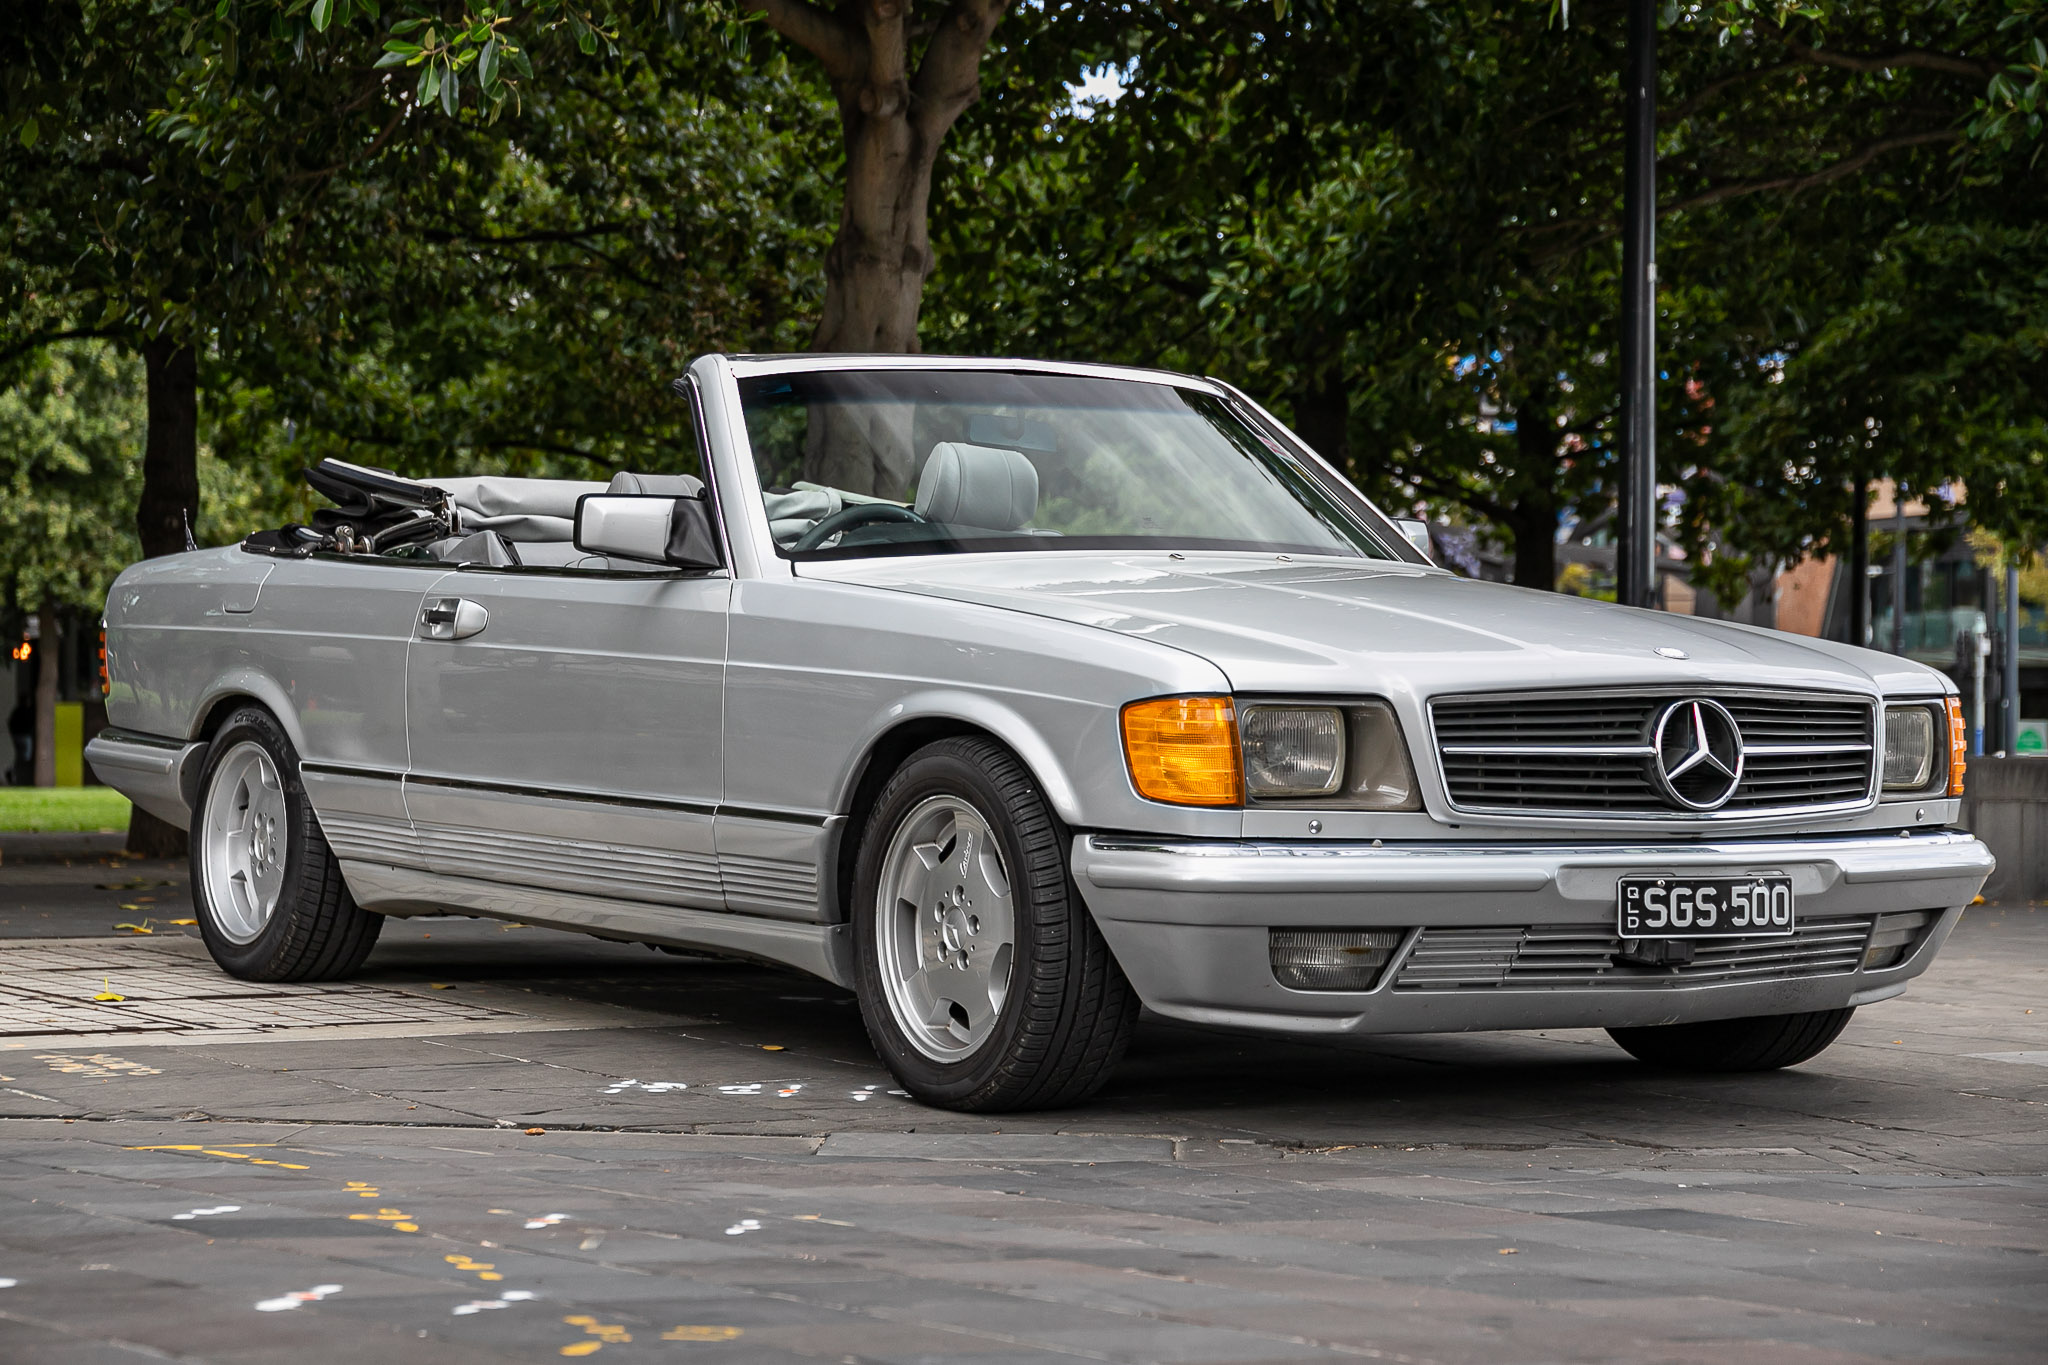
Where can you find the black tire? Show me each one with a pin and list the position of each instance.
(1764, 1043)
(1068, 1013)
(317, 932)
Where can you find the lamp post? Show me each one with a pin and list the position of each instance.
(2009, 684)
(1636, 556)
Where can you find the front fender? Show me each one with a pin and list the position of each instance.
(998, 718)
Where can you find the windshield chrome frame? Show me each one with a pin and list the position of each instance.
(731, 454)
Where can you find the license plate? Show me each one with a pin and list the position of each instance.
(1706, 907)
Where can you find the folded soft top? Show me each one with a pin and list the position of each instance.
(375, 510)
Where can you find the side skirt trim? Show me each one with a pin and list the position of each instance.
(820, 949)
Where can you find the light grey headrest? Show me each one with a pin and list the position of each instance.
(659, 485)
(977, 486)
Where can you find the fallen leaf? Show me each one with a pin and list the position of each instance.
(535, 1132)
(773, 1047)
(1509, 1251)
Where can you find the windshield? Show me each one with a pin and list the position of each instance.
(870, 462)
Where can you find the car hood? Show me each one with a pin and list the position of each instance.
(1323, 625)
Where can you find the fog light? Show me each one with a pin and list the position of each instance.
(1893, 937)
(1330, 959)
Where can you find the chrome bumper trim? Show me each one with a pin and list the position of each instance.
(1576, 871)
(158, 774)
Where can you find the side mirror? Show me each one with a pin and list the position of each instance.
(1418, 535)
(657, 530)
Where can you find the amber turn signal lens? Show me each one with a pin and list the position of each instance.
(1184, 750)
(1958, 746)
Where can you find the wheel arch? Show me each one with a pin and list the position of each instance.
(912, 725)
(241, 688)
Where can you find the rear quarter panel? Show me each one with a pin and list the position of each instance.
(320, 642)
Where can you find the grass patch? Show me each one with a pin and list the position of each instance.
(62, 809)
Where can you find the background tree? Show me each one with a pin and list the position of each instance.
(70, 471)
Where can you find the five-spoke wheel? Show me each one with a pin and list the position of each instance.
(268, 893)
(945, 928)
(241, 837)
(984, 983)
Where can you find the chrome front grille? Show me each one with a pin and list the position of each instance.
(1591, 753)
(1581, 957)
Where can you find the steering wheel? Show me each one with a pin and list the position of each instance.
(846, 518)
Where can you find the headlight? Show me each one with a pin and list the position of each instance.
(1293, 750)
(1909, 748)
(1348, 757)
(1380, 777)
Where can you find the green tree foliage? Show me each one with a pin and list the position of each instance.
(1401, 225)
(529, 315)
(71, 461)
(70, 470)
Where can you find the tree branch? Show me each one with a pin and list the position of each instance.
(23, 347)
(949, 78)
(522, 238)
(1706, 92)
(544, 447)
(838, 46)
(1793, 184)
(1948, 63)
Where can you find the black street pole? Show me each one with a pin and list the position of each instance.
(1636, 562)
(1859, 563)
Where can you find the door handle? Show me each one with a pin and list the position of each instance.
(452, 618)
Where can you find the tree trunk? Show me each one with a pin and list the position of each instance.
(47, 657)
(874, 286)
(882, 254)
(892, 120)
(1534, 518)
(1322, 417)
(170, 495)
(1534, 526)
(170, 451)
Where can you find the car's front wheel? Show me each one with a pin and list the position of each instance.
(984, 984)
(269, 896)
(1763, 1043)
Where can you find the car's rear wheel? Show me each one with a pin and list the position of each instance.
(269, 896)
(1763, 1043)
(984, 983)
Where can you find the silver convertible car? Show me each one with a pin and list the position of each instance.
(1016, 696)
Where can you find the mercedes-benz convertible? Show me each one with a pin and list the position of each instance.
(1016, 696)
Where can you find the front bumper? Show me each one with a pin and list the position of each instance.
(1188, 922)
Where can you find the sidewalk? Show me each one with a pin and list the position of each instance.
(17, 846)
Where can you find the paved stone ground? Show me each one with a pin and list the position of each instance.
(724, 1173)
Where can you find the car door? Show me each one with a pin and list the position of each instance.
(565, 730)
